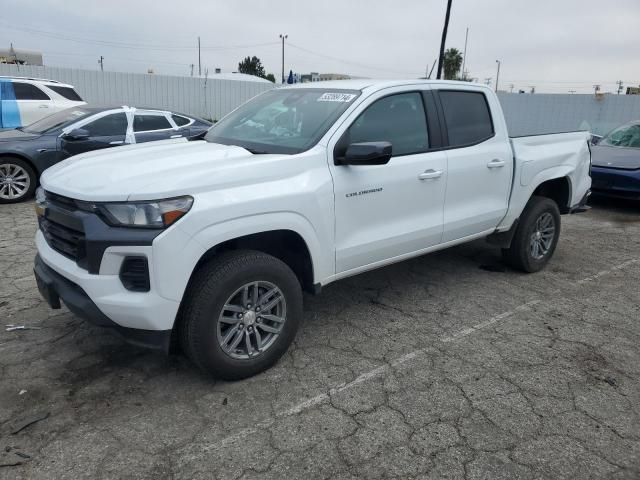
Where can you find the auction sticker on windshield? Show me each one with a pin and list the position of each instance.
(336, 97)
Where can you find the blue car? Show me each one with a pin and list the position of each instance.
(615, 167)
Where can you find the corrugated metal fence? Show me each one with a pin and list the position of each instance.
(528, 114)
(191, 95)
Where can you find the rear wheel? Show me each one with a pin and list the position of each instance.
(241, 315)
(536, 236)
(17, 180)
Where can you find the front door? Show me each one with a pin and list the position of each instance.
(104, 132)
(386, 211)
(33, 103)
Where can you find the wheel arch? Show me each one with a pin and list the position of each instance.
(558, 189)
(286, 244)
(24, 158)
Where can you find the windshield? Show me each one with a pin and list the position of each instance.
(624, 136)
(282, 120)
(57, 120)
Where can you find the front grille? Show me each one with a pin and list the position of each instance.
(134, 274)
(62, 239)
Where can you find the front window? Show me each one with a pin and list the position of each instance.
(57, 120)
(114, 125)
(283, 120)
(624, 136)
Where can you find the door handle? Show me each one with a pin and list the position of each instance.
(495, 163)
(430, 174)
(117, 142)
(175, 136)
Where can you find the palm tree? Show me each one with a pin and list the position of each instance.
(452, 63)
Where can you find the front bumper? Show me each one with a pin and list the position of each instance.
(615, 182)
(139, 310)
(54, 287)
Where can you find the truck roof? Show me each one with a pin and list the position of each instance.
(377, 84)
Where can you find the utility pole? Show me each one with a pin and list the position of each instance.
(101, 62)
(497, 75)
(283, 37)
(199, 61)
(533, 89)
(192, 65)
(443, 40)
(596, 89)
(464, 55)
(487, 81)
(511, 87)
(619, 82)
(431, 71)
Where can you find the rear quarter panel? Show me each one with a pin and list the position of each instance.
(540, 158)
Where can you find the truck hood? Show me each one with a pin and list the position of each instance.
(615, 157)
(154, 170)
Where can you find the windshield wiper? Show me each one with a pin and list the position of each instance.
(255, 152)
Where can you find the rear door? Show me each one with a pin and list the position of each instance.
(149, 126)
(386, 211)
(33, 102)
(104, 132)
(480, 162)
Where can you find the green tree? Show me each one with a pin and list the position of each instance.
(271, 77)
(452, 63)
(252, 66)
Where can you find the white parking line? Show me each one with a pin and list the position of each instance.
(602, 273)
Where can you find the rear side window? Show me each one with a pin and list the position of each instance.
(467, 117)
(399, 119)
(114, 125)
(180, 121)
(67, 92)
(27, 91)
(145, 123)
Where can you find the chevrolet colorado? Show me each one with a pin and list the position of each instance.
(208, 245)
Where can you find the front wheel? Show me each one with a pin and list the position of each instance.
(17, 180)
(536, 236)
(241, 314)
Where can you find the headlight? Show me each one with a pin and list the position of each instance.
(154, 214)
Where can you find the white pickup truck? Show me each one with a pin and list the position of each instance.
(208, 245)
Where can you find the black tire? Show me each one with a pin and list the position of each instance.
(211, 287)
(519, 255)
(10, 163)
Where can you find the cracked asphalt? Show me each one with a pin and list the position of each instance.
(445, 366)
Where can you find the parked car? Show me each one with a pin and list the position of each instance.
(616, 162)
(212, 242)
(26, 152)
(26, 100)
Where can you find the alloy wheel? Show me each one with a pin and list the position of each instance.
(14, 181)
(251, 320)
(542, 236)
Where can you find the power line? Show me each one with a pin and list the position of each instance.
(129, 45)
(349, 62)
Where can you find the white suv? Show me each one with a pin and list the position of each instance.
(26, 100)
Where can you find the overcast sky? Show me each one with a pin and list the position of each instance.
(554, 45)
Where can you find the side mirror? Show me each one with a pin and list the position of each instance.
(595, 139)
(77, 134)
(367, 153)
